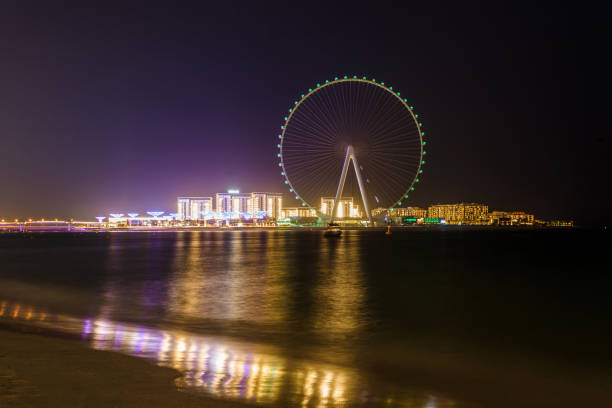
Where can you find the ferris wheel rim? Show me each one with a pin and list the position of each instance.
(354, 78)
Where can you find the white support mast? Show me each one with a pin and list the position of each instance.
(350, 155)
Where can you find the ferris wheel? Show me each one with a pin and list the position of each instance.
(351, 120)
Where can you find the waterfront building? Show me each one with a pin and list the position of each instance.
(193, 208)
(298, 212)
(270, 203)
(511, 218)
(255, 204)
(470, 213)
(346, 207)
(414, 212)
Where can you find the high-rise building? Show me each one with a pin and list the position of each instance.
(459, 213)
(193, 208)
(232, 202)
(253, 204)
(270, 203)
(346, 207)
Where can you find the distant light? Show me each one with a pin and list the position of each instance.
(116, 215)
(100, 219)
(280, 136)
(412, 188)
(286, 181)
(233, 191)
(406, 196)
(278, 155)
(133, 215)
(420, 171)
(155, 213)
(280, 164)
(399, 203)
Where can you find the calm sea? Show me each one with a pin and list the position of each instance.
(444, 317)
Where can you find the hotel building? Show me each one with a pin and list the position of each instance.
(460, 213)
(193, 208)
(346, 207)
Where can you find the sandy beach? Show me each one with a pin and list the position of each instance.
(49, 371)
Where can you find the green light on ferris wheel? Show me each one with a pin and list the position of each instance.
(373, 79)
(399, 203)
(335, 78)
(345, 77)
(411, 188)
(406, 196)
(420, 171)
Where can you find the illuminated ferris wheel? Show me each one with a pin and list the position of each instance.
(351, 120)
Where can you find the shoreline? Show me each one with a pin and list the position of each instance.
(40, 368)
(436, 227)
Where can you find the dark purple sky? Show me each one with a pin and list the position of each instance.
(124, 108)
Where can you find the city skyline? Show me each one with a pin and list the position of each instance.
(167, 111)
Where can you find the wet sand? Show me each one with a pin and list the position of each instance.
(51, 371)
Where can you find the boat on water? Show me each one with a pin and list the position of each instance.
(333, 230)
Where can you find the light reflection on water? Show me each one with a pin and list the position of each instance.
(228, 369)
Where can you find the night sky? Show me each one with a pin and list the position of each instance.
(124, 108)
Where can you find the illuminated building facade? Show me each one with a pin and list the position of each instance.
(232, 202)
(460, 213)
(414, 212)
(298, 212)
(346, 207)
(270, 203)
(511, 218)
(193, 208)
(237, 203)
